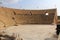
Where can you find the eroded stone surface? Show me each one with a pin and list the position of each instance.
(33, 32)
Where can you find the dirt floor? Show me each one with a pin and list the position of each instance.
(33, 32)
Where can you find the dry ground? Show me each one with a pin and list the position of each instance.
(33, 32)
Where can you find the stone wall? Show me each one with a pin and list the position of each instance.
(36, 16)
(11, 17)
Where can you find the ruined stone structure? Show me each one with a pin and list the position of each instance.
(11, 17)
(36, 16)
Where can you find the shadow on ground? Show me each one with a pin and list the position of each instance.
(51, 39)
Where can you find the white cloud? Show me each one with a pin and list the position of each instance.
(10, 1)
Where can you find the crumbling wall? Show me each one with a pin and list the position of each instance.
(6, 17)
(11, 17)
(36, 16)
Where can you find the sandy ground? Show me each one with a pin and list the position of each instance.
(33, 32)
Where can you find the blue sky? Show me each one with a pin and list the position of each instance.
(33, 4)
